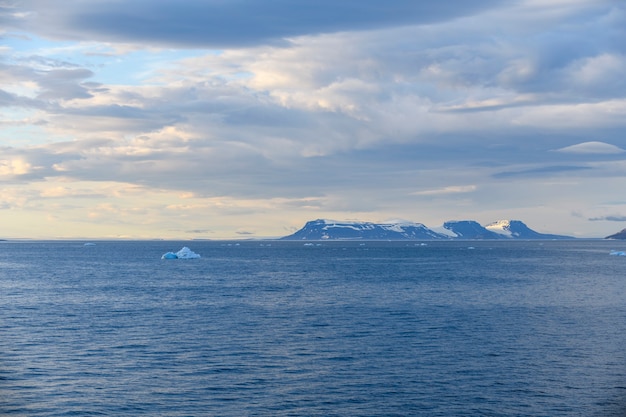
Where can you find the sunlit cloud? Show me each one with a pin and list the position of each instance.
(447, 190)
(14, 167)
(593, 147)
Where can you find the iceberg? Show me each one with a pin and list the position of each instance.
(617, 253)
(184, 253)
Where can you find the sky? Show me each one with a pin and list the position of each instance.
(221, 119)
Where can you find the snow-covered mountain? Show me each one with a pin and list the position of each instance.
(469, 229)
(619, 235)
(322, 229)
(516, 229)
(501, 229)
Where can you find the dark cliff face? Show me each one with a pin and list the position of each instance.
(523, 231)
(619, 235)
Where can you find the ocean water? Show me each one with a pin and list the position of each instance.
(523, 328)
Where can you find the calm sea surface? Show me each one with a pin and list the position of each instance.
(522, 328)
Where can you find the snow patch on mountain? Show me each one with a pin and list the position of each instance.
(502, 227)
(445, 232)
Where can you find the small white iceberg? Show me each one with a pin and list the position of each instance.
(184, 253)
(617, 253)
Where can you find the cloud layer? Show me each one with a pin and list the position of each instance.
(248, 118)
(224, 24)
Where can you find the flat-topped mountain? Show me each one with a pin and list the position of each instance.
(322, 229)
(618, 235)
(517, 229)
(501, 229)
(469, 229)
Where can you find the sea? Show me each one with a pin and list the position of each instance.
(334, 328)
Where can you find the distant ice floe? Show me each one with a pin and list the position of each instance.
(617, 253)
(184, 253)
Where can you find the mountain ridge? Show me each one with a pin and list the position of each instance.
(621, 235)
(324, 229)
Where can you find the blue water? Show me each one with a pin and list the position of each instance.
(342, 329)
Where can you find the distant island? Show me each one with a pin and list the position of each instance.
(322, 229)
(619, 235)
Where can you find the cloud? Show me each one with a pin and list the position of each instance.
(220, 24)
(41, 84)
(14, 167)
(593, 147)
(448, 190)
(244, 233)
(599, 74)
(65, 191)
(310, 108)
(540, 171)
(199, 231)
(614, 218)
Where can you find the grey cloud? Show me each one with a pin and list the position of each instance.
(213, 168)
(218, 24)
(7, 15)
(64, 84)
(7, 99)
(56, 82)
(616, 218)
(117, 111)
(35, 61)
(547, 60)
(199, 231)
(244, 233)
(540, 172)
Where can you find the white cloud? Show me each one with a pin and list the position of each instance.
(14, 167)
(599, 74)
(593, 147)
(454, 189)
(569, 117)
